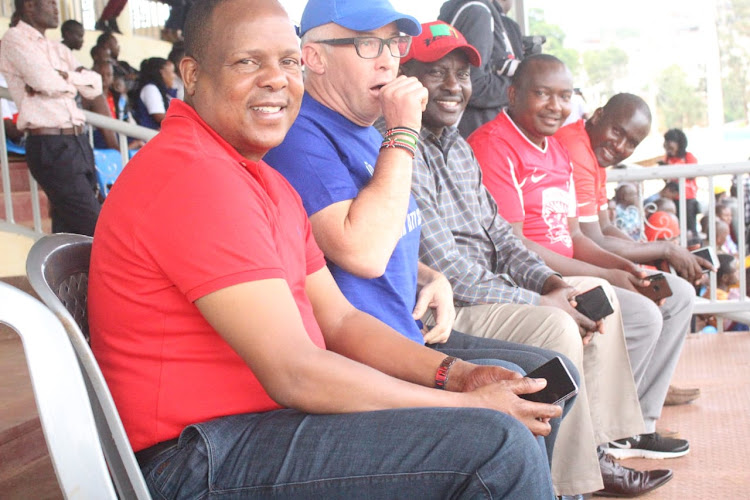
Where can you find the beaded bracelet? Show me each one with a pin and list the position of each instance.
(441, 377)
(402, 138)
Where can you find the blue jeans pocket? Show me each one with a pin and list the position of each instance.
(181, 472)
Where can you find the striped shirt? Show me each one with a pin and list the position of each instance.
(463, 236)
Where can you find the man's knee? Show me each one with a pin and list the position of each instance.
(565, 336)
(683, 295)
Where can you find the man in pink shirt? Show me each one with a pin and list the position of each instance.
(44, 79)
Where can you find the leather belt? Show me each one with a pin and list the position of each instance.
(144, 456)
(74, 130)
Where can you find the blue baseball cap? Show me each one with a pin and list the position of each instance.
(357, 15)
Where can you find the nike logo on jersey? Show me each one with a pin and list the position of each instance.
(537, 178)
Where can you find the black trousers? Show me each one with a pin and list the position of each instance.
(63, 165)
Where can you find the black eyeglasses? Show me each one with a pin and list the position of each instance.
(370, 47)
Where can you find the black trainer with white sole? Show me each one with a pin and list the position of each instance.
(648, 446)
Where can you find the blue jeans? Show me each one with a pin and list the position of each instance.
(404, 453)
(470, 348)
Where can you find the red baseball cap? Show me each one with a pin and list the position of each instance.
(436, 41)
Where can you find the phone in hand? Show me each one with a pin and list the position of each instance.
(709, 254)
(560, 384)
(658, 288)
(594, 304)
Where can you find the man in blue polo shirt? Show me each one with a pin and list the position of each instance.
(356, 187)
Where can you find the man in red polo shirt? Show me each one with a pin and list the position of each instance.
(608, 138)
(215, 320)
(530, 176)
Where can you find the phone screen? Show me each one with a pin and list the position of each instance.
(560, 385)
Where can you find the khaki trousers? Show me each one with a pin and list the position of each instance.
(607, 407)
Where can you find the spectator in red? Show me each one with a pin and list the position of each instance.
(675, 146)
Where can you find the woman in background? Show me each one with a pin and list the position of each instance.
(152, 93)
(675, 147)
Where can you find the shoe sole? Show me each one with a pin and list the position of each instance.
(621, 453)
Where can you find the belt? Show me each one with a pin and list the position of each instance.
(144, 456)
(74, 130)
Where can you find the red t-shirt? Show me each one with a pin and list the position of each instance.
(590, 179)
(529, 184)
(691, 188)
(187, 217)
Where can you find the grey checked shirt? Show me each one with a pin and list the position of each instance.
(463, 236)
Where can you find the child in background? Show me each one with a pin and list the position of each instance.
(727, 280)
(627, 214)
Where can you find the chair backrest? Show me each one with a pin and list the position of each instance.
(57, 268)
(61, 397)
(108, 164)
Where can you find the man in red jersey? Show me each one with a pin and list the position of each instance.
(608, 138)
(530, 176)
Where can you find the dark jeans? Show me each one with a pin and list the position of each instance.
(405, 453)
(469, 348)
(63, 165)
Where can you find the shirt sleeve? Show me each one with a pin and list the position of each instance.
(152, 99)
(586, 188)
(88, 83)
(501, 175)
(572, 205)
(472, 283)
(31, 64)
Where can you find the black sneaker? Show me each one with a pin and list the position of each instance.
(648, 446)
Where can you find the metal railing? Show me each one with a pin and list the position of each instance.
(123, 129)
(738, 310)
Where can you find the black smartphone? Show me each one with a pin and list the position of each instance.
(560, 385)
(709, 254)
(658, 289)
(594, 304)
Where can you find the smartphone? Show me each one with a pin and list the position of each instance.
(658, 289)
(594, 304)
(560, 385)
(709, 254)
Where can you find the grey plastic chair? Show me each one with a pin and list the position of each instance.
(61, 397)
(57, 268)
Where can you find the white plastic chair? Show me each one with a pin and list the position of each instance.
(61, 397)
(57, 268)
